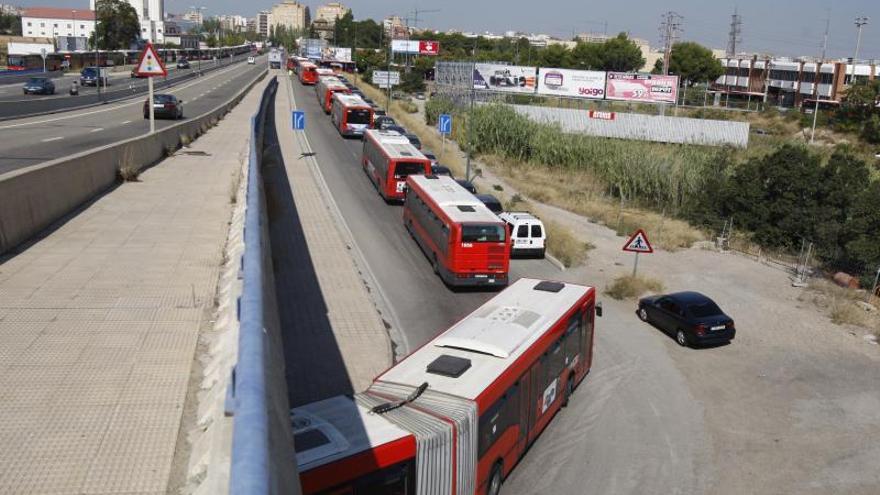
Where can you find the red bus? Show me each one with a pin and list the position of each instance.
(351, 115)
(388, 159)
(308, 73)
(291, 63)
(478, 395)
(325, 89)
(467, 243)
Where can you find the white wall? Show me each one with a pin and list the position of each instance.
(49, 28)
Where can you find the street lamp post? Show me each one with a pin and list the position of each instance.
(860, 23)
(470, 123)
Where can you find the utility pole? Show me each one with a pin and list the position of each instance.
(816, 78)
(860, 23)
(470, 124)
(670, 29)
(735, 35)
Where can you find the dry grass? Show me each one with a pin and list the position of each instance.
(127, 170)
(564, 246)
(185, 140)
(840, 303)
(581, 193)
(845, 312)
(629, 287)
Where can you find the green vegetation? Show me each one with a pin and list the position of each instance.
(692, 62)
(10, 24)
(629, 287)
(118, 25)
(562, 244)
(859, 112)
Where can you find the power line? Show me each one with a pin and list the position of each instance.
(670, 30)
(735, 33)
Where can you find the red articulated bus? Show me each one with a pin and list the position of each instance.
(351, 115)
(388, 159)
(308, 73)
(456, 415)
(467, 243)
(325, 89)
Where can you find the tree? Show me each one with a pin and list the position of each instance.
(10, 24)
(586, 56)
(693, 63)
(858, 107)
(865, 224)
(117, 25)
(620, 54)
(554, 56)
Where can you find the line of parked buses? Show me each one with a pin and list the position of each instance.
(455, 416)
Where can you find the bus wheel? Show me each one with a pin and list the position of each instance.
(569, 389)
(495, 480)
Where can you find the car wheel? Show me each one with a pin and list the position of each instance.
(681, 338)
(643, 314)
(494, 487)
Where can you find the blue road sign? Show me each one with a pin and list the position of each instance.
(445, 123)
(299, 120)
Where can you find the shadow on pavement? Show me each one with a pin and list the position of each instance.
(314, 366)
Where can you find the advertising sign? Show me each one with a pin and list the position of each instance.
(572, 83)
(508, 78)
(596, 114)
(416, 47)
(382, 78)
(647, 88)
(336, 53)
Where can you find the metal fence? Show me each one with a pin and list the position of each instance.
(254, 470)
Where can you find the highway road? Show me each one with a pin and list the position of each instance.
(34, 140)
(632, 427)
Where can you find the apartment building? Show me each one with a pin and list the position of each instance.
(292, 15)
(49, 22)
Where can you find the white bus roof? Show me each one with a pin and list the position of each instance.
(332, 83)
(336, 428)
(396, 145)
(352, 101)
(457, 202)
(491, 338)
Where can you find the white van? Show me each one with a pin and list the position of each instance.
(527, 233)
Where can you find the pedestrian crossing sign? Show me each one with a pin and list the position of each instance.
(149, 63)
(638, 243)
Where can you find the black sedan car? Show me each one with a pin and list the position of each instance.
(165, 107)
(467, 185)
(692, 318)
(183, 64)
(414, 140)
(441, 170)
(491, 202)
(39, 86)
(383, 122)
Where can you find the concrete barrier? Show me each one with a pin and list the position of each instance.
(33, 198)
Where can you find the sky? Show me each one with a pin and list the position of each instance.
(791, 28)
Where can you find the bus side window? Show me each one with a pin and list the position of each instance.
(503, 414)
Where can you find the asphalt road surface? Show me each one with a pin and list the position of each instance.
(34, 140)
(631, 428)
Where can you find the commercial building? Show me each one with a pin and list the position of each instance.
(395, 28)
(151, 14)
(50, 22)
(325, 19)
(233, 23)
(292, 15)
(195, 16)
(788, 82)
(264, 21)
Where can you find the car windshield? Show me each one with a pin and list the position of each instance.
(404, 169)
(704, 309)
(89, 71)
(36, 80)
(482, 233)
(359, 116)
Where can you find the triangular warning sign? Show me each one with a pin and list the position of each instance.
(149, 63)
(638, 243)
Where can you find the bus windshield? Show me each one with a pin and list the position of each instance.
(405, 169)
(482, 233)
(360, 116)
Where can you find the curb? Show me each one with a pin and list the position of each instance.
(555, 262)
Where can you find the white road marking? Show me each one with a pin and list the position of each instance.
(99, 129)
(126, 122)
(53, 139)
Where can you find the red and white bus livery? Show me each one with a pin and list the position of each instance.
(388, 159)
(326, 88)
(455, 416)
(467, 244)
(308, 73)
(351, 115)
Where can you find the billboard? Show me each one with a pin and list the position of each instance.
(647, 88)
(416, 47)
(338, 54)
(572, 83)
(509, 78)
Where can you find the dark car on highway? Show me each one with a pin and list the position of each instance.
(471, 188)
(183, 64)
(39, 86)
(165, 107)
(414, 140)
(91, 76)
(491, 202)
(441, 170)
(692, 318)
(395, 128)
(383, 122)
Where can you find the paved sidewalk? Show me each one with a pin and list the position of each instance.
(335, 341)
(99, 323)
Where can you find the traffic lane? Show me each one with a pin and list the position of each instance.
(12, 93)
(423, 305)
(28, 144)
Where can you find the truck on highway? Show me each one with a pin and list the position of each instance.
(275, 59)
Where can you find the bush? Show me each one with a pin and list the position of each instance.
(437, 106)
(562, 244)
(408, 106)
(629, 287)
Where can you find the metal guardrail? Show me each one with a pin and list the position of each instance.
(248, 397)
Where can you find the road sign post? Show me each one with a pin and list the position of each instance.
(444, 125)
(298, 120)
(638, 243)
(149, 65)
(43, 54)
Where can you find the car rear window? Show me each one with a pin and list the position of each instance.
(536, 231)
(163, 99)
(404, 169)
(482, 233)
(705, 309)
